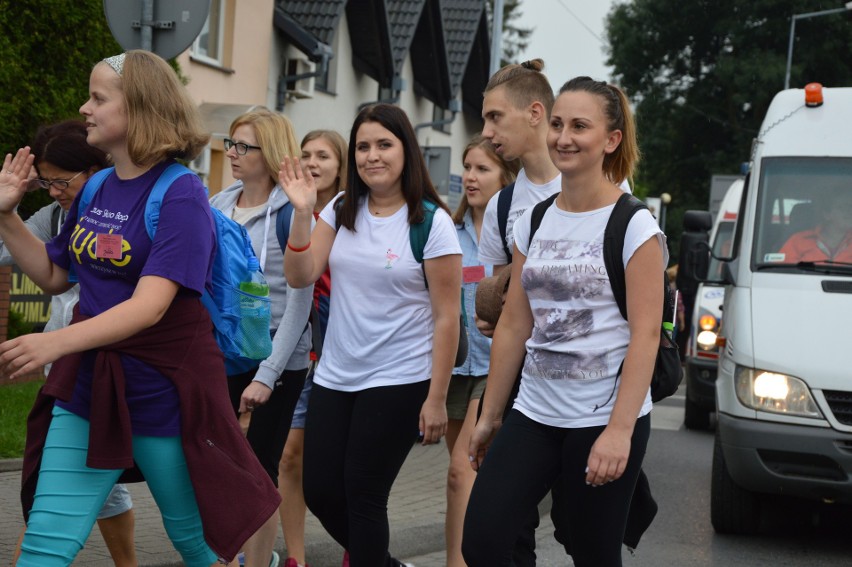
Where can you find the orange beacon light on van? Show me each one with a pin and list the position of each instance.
(813, 95)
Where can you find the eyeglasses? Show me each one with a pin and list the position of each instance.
(58, 184)
(242, 149)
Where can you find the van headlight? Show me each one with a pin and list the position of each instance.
(706, 340)
(777, 393)
(708, 327)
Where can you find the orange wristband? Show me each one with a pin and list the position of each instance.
(302, 249)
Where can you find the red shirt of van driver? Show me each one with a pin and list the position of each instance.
(831, 239)
(808, 246)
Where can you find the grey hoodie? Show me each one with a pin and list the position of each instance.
(291, 307)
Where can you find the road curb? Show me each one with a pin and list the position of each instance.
(11, 465)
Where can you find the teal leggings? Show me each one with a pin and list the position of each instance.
(70, 494)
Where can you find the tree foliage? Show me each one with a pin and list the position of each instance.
(47, 49)
(702, 74)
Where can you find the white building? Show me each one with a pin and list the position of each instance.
(319, 61)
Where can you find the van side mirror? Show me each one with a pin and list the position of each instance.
(694, 250)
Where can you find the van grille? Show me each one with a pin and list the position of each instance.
(840, 403)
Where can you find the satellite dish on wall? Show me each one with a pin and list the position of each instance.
(166, 27)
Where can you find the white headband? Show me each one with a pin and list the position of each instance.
(116, 62)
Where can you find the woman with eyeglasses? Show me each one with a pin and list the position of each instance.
(138, 386)
(64, 161)
(258, 141)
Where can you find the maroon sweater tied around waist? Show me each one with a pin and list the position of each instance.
(221, 463)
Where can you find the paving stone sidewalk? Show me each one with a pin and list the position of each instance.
(416, 510)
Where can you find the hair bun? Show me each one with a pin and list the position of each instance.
(533, 64)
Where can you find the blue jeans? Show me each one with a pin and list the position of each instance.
(69, 495)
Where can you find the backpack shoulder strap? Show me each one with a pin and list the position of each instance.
(92, 186)
(282, 224)
(538, 214)
(504, 203)
(55, 215)
(418, 233)
(155, 199)
(616, 229)
(338, 206)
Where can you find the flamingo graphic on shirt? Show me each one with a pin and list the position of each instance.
(391, 258)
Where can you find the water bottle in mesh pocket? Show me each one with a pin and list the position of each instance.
(254, 339)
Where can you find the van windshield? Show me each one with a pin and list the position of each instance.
(804, 212)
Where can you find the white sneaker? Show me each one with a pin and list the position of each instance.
(273, 562)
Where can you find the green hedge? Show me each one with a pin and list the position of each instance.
(47, 49)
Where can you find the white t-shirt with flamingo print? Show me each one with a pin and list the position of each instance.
(380, 324)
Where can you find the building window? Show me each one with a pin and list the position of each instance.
(209, 43)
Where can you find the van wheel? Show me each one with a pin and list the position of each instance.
(733, 510)
(694, 416)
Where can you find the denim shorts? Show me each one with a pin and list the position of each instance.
(118, 502)
(302, 405)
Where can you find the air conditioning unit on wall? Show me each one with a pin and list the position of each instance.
(299, 87)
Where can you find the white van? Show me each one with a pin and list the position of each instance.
(784, 385)
(702, 353)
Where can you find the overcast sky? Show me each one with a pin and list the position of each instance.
(568, 35)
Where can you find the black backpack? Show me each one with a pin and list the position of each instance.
(668, 372)
(504, 203)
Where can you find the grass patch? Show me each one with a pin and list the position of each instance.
(16, 400)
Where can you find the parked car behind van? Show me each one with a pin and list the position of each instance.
(702, 350)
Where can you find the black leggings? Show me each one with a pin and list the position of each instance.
(270, 423)
(521, 465)
(355, 445)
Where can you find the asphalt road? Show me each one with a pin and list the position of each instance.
(678, 464)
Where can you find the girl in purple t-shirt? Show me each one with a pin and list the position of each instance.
(129, 359)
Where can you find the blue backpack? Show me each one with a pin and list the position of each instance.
(241, 320)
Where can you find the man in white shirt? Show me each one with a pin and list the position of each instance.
(516, 112)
